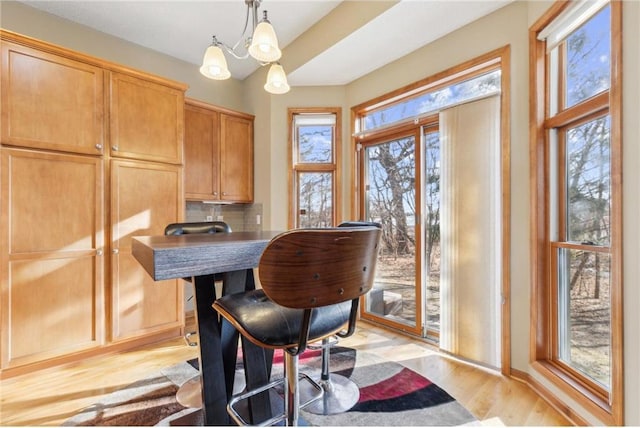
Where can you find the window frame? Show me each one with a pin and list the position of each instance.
(608, 406)
(295, 167)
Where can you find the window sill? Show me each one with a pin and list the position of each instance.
(595, 404)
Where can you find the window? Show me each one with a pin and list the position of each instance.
(431, 100)
(314, 147)
(577, 285)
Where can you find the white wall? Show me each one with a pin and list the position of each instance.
(631, 208)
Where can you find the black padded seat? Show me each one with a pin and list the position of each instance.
(197, 227)
(270, 326)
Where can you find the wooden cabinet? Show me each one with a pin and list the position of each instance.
(218, 154)
(69, 286)
(51, 101)
(201, 153)
(236, 158)
(146, 119)
(145, 198)
(52, 240)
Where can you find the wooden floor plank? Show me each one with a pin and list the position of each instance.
(49, 397)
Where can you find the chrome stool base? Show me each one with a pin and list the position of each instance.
(340, 392)
(190, 393)
(340, 395)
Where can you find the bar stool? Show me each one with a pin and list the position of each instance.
(189, 394)
(312, 280)
(340, 392)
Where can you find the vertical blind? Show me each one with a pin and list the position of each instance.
(471, 263)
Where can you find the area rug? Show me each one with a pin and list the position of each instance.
(390, 395)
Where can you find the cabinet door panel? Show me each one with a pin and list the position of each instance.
(51, 102)
(51, 243)
(201, 152)
(147, 120)
(53, 202)
(52, 306)
(145, 198)
(236, 159)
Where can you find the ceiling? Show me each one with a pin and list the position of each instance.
(183, 29)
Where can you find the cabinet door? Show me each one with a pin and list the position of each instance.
(236, 159)
(201, 153)
(146, 120)
(51, 102)
(145, 197)
(51, 244)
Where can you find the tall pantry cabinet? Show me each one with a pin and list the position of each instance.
(90, 155)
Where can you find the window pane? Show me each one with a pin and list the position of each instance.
(432, 101)
(588, 59)
(391, 201)
(584, 313)
(432, 227)
(589, 182)
(315, 199)
(315, 144)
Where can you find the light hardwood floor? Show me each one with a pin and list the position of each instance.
(51, 396)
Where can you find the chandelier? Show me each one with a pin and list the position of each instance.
(261, 44)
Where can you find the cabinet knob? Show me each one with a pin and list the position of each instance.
(215, 193)
(224, 193)
(114, 148)
(99, 147)
(99, 252)
(115, 251)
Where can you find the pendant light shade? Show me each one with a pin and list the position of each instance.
(214, 64)
(276, 80)
(264, 43)
(258, 41)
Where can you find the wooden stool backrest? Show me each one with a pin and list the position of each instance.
(309, 268)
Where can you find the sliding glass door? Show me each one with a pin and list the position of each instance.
(389, 183)
(431, 214)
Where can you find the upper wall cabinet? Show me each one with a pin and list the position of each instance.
(236, 158)
(50, 101)
(201, 152)
(218, 154)
(146, 119)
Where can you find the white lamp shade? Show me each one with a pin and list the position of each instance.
(214, 64)
(264, 43)
(276, 80)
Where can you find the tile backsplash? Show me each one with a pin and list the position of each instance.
(240, 217)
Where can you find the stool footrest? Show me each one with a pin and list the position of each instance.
(238, 419)
(325, 343)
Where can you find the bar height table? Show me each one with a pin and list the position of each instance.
(201, 256)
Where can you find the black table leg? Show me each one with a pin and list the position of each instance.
(257, 361)
(218, 343)
(257, 368)
(214, 391)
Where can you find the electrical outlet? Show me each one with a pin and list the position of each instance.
(258, 219)
(220, 218)
(209, 218)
